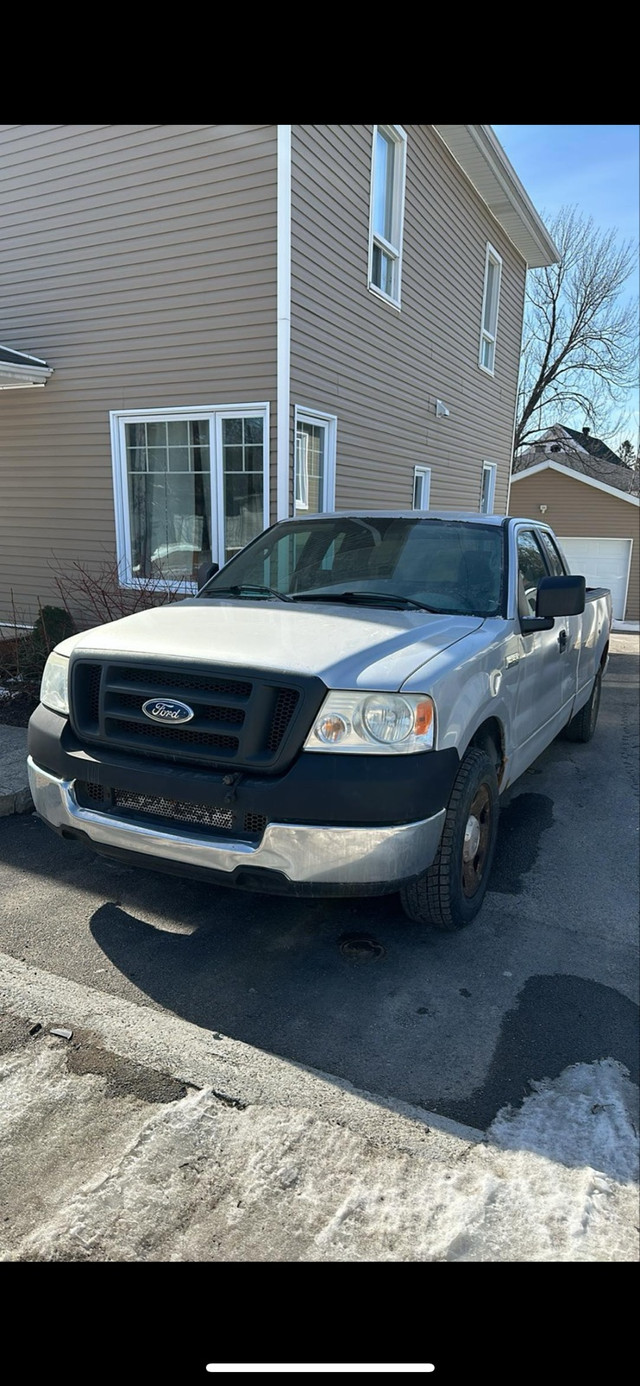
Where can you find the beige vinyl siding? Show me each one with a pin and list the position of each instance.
(381, 370)
(140, 262)
(577, 510)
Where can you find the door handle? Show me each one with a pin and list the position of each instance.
(562, 640)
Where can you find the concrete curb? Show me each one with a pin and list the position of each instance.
(16, 803)
(15, 795)
(235, 1071)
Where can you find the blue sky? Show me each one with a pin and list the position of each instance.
(597, 167)
(594, 167)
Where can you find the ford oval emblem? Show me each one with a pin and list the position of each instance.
(167, 710)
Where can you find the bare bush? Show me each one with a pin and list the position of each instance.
(93, 594)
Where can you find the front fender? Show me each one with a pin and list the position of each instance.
(470, 686)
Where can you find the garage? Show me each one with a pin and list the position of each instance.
(605, 563)
(597, 522)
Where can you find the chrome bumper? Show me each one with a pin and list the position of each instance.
(349, 856)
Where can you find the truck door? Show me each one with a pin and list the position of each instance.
(569, 629)
(540, 699)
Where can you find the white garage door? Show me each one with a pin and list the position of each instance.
(605, 563)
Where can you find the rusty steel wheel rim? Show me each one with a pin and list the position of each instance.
(476, 841)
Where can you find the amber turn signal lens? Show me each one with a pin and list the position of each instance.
(332, 728)
(423, 717)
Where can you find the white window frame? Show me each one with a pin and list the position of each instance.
(490, 469)
(391, 248)
(486, 334)
(214, 415)
(421, 485)
(316, 418)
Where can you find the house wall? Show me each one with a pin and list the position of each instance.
(380, 370)
(140, 262)
(578, 511)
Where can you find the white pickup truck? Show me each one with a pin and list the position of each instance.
(337, 711)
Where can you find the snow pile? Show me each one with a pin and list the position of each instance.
(196, 1180)
(588, 1117)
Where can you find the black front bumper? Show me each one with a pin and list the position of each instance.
(318, 788)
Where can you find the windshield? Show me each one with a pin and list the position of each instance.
(443, 565)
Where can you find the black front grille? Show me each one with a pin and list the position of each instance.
(253, 722)
(123, 803)
(204, 683)
(283, 712)
(168, 735)
(255, 823)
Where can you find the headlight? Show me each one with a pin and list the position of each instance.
(395, 723)
(54, 689)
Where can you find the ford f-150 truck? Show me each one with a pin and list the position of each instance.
(338, 710)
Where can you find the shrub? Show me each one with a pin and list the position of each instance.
(52, 625)
(94, 593)
(23, 658)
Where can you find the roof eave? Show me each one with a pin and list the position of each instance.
(482, 158)
(14, 377)
(569, 472)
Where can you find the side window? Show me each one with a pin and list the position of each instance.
(387, 210)
(490, 305)
(315, 461)
(487, 494)
(421, 487)
(531, 568)
(556, 566)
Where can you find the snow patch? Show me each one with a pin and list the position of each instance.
(586, 1118)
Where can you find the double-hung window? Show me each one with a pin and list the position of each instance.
(387, 211)
(189, 488)
(490, 305)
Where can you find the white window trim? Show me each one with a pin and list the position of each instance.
(283, 327)
(213, 414)
(425, 473)
(491, 468)
(330, 422)
(491, 254)
(398, 135)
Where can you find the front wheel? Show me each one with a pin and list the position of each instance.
(582, 726)
(450, 893)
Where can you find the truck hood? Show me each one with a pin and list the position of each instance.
(345, 646)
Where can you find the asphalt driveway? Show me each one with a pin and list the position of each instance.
(456, 1024)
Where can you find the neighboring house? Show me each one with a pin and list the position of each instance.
(235, 323)
(591, 500)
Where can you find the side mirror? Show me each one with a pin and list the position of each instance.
(560, 596)
(205, 571)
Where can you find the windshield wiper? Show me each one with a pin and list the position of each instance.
(364, 598)
(246, 588)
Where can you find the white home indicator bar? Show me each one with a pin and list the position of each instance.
(320, 1367)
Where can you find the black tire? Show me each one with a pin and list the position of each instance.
(582, 726)
(450, 893)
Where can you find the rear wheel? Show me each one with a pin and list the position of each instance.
(582, 726)
(450, 893)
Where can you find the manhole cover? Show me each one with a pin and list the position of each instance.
(360, 948)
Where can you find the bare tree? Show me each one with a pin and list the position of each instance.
(580, 340)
